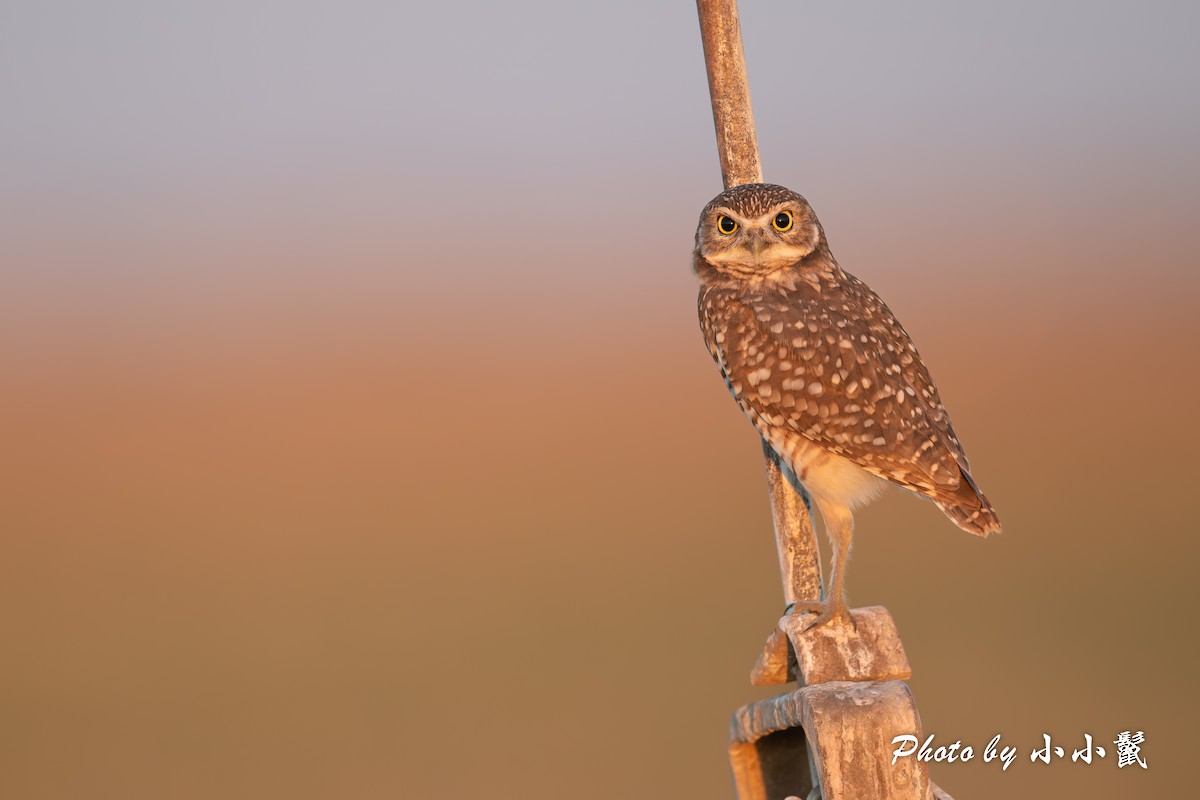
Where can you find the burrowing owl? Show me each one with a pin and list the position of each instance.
(824, 370)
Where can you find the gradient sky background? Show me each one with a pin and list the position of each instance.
(360, 442)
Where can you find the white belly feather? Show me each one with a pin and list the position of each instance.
(828, 477)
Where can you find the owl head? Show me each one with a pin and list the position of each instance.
(756, 229)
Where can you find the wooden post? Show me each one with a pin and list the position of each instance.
(737, 141)
(830, 738)
(795, 539)
(737, 144)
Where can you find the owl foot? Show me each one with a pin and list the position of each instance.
(826, 613)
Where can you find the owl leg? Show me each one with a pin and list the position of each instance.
(839, 525)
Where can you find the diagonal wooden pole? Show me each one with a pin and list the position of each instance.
(737, 141)
(828, 738)
(737, 144)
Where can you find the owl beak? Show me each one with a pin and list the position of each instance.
(757, 243)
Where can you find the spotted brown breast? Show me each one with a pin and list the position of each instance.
(822, 356)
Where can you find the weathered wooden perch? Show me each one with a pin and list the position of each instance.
(852, 702)
(832, 740)
(832, 737)
(871, 652)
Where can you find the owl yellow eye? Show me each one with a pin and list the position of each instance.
(725, 225)
(782, 221)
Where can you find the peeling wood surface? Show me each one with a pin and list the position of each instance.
(872, 652)
(836, 652)
(752, 722)
(856, 722)
(776, 663)
(848, 729)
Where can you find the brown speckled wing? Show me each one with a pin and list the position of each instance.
(827, 359)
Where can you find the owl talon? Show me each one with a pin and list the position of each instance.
(804, 607)
(834, 612)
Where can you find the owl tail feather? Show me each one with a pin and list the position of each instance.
(969, 509)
